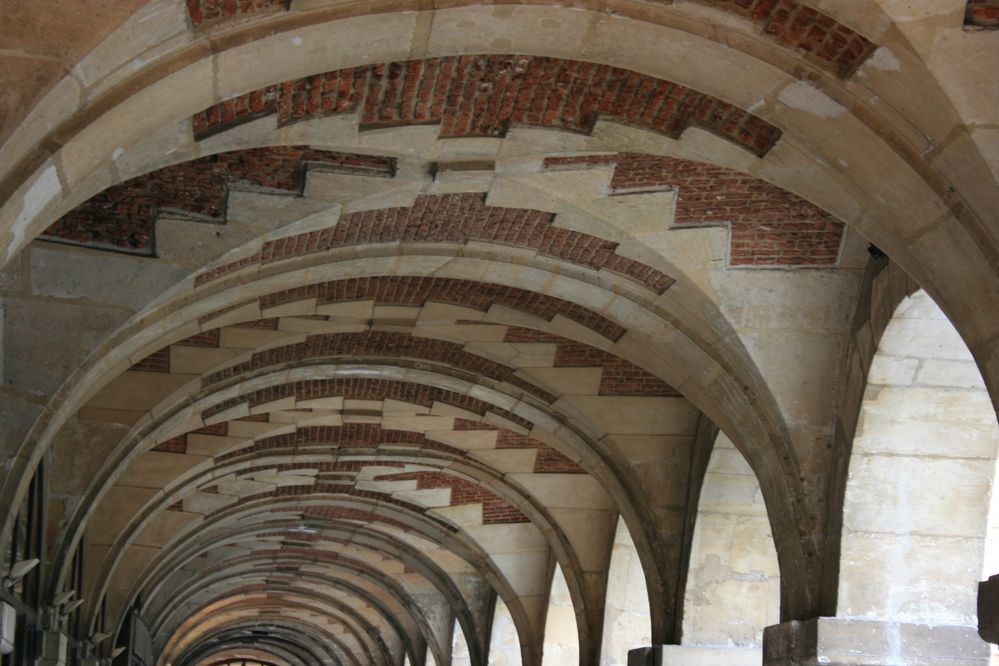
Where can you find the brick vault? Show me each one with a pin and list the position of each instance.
(419, 332)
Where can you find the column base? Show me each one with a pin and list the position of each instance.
(831, 641)
(692, 655)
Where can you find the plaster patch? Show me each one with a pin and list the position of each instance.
(885, 60)
(805, 97)
(38, 196)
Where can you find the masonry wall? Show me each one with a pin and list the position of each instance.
(561, 639)
(920, 478)
(733, 587)
(460, 656)
(504, 645)
(627, 622)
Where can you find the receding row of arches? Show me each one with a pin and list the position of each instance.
(455, 332)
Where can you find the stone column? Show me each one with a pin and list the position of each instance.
(693, 655)
(835, 641)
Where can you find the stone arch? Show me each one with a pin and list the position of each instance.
(762, 100)
(319, 271)
(920, 477)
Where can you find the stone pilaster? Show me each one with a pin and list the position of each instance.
(841, 642)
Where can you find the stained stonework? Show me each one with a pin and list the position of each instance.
(364, 389)
(442, 348)
(790, 23)
(481, 96)
(209, 12)
(982, 14)
(417, 291)
(124, 217)
(495, 511)
(803, 28)
(769, 226)
(461, 219)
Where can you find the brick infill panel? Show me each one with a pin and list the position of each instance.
(982, 14)
(418, 291)
(173, 445)
(377, 344)
(123, 217)
(788, 22)
(456, 219)
(547, 461)
(769, 225)
(204, 339)
(346, 436)
(366, 389)
(208, 13)
(495, 509)
(335, 513)
(158, 361)
(794, 25)
(304, 491)
(485, 95)
(618, 377)
(344, 467)
(372, 436)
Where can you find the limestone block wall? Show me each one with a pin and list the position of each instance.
(627, 623)
(460, 656)
(733, 586)
(920, 477)
(504, 645)
(561, 646)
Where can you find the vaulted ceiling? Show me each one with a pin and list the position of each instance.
(347, 318)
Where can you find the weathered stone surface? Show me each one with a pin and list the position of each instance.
(412, 386)
(841, 642)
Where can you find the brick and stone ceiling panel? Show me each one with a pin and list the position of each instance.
(309, 447)
(483, 96)
(207, 13)
(500, 352)
(123, 217)
(456, 219)
(419, 291)
(769, 226)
